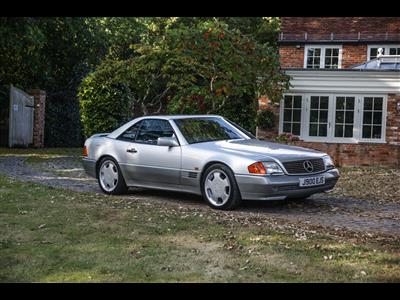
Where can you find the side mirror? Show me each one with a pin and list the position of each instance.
(167, 141)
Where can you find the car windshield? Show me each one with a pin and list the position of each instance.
(207, 129)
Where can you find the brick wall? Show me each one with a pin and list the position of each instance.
(362, 154)
(353, 54)
(393, 120)
(291, 57)
(340, 24)
(38, 117)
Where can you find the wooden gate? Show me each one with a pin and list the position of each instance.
(21, 118)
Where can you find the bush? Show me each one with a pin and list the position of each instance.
(104, 102)
(266, 119)
(286, 138)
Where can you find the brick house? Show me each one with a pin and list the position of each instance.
(344, 97)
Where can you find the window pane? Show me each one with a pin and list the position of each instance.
(394, 51)
(367, 118)
(350, 103)
(328, 62)
(335, 62)
(310, 60)
(340, 103)
(310, 52)
(376, 133)
(316, 62)
(288, 101)
(130, 133)
(368, 103)
(317, 52)
(151, 130)
(313, 129)
(314, 101)
(297, 102)
(377, 118)
(339, 117)
(287, 115)
(314, 116)
(348, 131)
(296, 128)
(378, 103)
(322, 130)
(296, 115)
(338, 130)
(323, 116)
(328, 52)
(366, 132)
(349, 117)
(286, 127)
(373, 52)
(324, 102)
(335, 52)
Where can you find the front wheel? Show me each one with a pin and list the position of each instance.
(110, 177)
(219, 188)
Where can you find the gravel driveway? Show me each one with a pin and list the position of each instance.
(370, 218)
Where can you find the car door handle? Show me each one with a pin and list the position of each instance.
(131, 150)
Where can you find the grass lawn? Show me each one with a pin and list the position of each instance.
(55, 235)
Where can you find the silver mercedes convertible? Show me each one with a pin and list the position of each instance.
(206, 155)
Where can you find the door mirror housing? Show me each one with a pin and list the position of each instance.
(167, 141)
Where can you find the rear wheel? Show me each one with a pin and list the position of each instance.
(110, 177)
(219, 188)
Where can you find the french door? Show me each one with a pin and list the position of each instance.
(330, 117)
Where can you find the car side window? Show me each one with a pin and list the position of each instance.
(130, 134)
(152, 129)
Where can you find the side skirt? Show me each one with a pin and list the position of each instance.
(168, 187)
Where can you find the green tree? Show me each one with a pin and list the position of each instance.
(53, 54)
(218, 70)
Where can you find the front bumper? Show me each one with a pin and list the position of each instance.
(89, 165)
(280, 187)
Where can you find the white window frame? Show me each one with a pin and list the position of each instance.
(384, 117)
(322, 57)
(281, 111)
(384, 46)
(330, 138)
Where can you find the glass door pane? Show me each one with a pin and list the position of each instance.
(318, 118)
(344, 116)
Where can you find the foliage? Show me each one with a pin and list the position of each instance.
(266, 119)
(193, 65)
(52, 54)
(104, 101)
(219, 70)
(286, 138)
(138, 82)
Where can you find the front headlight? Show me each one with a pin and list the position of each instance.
(272, 168)
(265, 168)
(328, 162)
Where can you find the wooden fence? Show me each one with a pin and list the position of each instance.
(20, 118)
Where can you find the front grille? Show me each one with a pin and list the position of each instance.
(297, 167)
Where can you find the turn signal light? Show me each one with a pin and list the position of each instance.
(85, 151)
(257, 168)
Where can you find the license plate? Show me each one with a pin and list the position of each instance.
(311, 181)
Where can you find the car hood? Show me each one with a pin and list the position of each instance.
(262, 149)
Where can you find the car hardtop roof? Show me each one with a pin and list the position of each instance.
(172, 117)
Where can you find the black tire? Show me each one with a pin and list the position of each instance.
(121, 187)
(234, 199)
